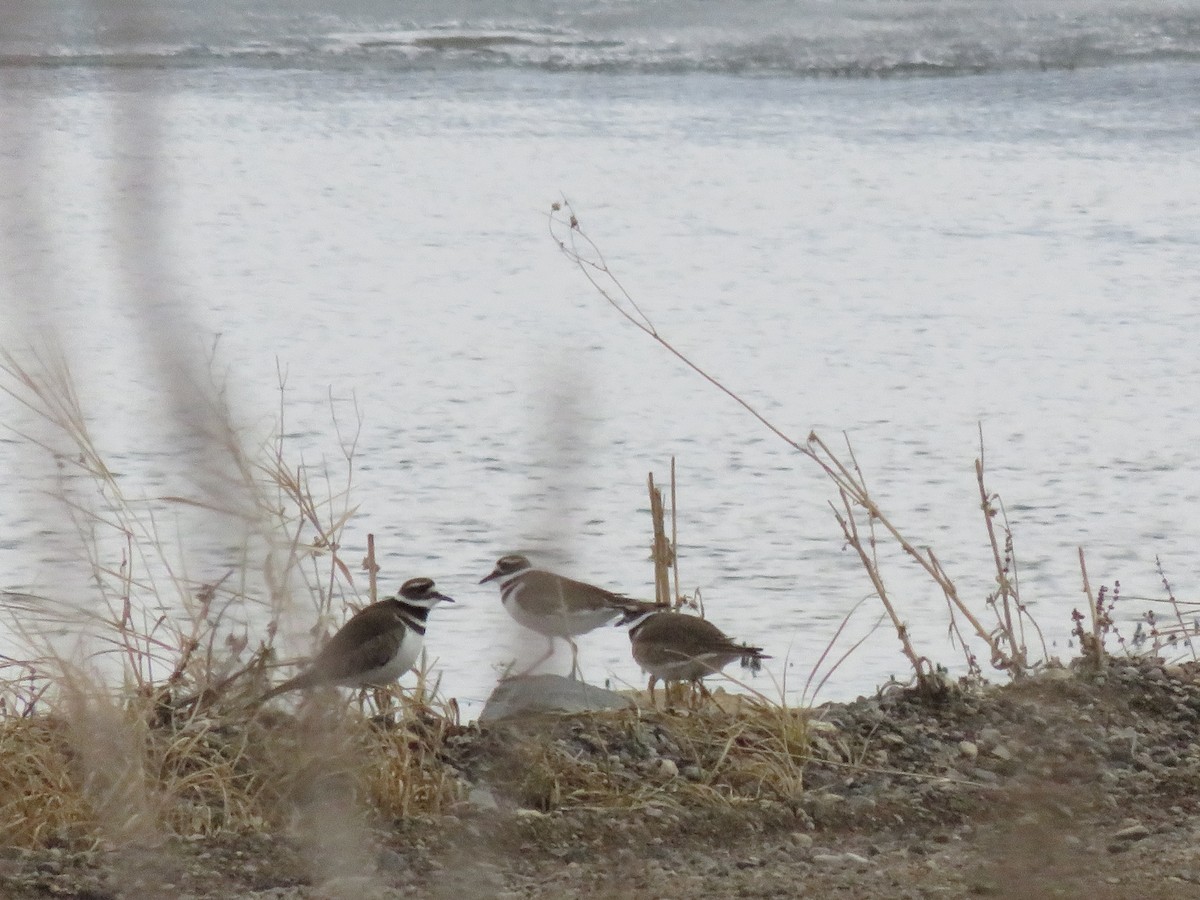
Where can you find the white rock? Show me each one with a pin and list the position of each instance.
(1132, 833)
(482, 799)
(989, 736)
(801, 840)
(828, 859)
(666, 768)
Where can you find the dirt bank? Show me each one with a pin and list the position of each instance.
(1067, 785)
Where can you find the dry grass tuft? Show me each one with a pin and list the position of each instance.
(729, 752)
(406, 776)
(265, 772)
(42, 804)
(133, 713)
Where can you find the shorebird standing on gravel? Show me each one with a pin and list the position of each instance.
(557, 607)
(378, 645)
(673, 646)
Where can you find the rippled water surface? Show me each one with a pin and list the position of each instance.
(902, 260)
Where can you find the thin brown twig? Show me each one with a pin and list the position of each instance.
(1097, 635)
(582, 251)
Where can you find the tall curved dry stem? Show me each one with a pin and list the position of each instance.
(596, 270)
(582, 251)
(920, 664)
(809, 693)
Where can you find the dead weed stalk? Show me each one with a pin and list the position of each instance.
(1005, 642)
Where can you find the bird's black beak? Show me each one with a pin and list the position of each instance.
(486, 578)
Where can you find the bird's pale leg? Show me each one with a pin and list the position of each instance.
(653, 681)
(575, 673)
(541, 659)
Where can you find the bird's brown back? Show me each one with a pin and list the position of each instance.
(367, 641)
(548, 594)
(670, 636)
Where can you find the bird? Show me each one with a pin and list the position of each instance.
(674, 646)
(557, 607)
(376, 646)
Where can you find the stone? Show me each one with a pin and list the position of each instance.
(1132, 833)
(533, 695)
(801, 840)
(482, 799)
(665, 768)
(828, 859)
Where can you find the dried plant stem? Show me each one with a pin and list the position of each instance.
(598, 268)
(809, 693)
(372, 568)
(661, 551)
(999, 659)
(1004, 586)
(853, 488)
(1096, 651)
(583, 252)
(1183, 628)
(674, 531)
(921, 666)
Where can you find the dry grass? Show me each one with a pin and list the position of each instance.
(131, 713)
(226, 770)
(43, 805)
(330, 769)
(147, 724)
(143, 723)
(735, 752)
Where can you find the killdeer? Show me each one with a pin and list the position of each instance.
(673, 646)
(378, 644)
(555, 606)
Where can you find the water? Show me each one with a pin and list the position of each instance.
(795, 38)
(1007, 240)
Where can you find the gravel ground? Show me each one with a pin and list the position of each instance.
(1066, 785)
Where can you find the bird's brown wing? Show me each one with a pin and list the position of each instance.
(691, 637)
(369, 640)
(547, 595)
